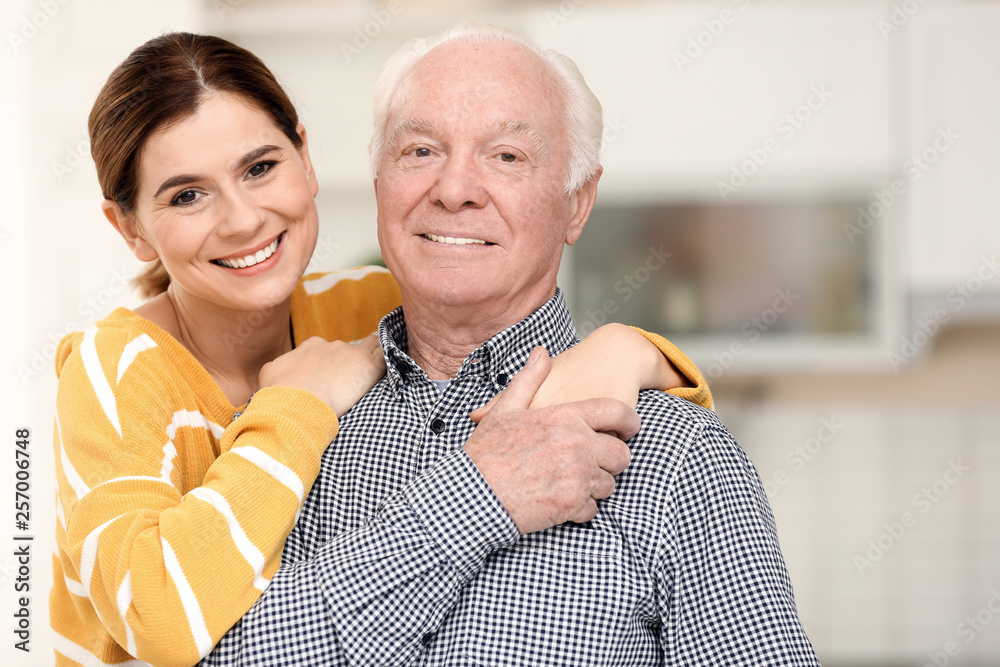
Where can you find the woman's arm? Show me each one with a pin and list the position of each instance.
(619, 361)
(176, 516)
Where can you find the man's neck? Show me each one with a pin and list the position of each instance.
(440, 339)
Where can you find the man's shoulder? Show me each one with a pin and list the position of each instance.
(661, 411)
(673, 429)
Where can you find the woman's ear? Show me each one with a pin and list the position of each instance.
(307, 163)
(129, 229)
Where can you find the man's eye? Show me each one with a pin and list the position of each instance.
(186, 197)
(508, 157)
(422, 152)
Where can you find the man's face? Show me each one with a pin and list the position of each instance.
(471, 202)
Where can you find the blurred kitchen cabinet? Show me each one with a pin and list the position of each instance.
(692, 91)
(952, 144)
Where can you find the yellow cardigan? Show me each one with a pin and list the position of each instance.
(172, 515)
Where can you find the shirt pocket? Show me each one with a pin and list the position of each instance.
(554, 598)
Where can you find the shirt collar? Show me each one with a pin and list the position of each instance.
(499, 358)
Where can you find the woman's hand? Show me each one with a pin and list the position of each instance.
(338, 373)
(615, 361)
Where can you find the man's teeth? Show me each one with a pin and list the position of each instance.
(250, 260)
(452, 240)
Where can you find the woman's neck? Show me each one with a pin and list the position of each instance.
(232, 345)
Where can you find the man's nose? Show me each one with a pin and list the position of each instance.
(459, 184)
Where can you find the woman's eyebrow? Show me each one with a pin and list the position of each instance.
(176, 181)
(252, 155)
(184, 179)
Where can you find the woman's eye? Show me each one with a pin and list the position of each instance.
(186, 197)
(260, 168)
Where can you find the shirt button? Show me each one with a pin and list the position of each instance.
(502, 379)
(427, 639)
(437, 426)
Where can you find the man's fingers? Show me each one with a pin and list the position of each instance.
(520, 391)
(585, 513)
(607, 415)
(611, 454)
(602, 486)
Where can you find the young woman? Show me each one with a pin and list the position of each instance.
(189, 430)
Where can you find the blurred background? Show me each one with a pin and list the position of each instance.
(802, 195)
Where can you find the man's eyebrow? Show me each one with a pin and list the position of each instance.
(184, 179)
(524, 128)
(408, 125)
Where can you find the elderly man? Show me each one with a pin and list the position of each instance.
(485, 164)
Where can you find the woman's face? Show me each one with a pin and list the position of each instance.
(226, 202)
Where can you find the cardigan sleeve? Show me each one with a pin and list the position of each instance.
(698, 392)
(174, 524)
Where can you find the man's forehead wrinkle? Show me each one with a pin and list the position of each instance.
(507, 76)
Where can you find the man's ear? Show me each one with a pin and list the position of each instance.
(129, 229)
(583, 203)
(304, 154)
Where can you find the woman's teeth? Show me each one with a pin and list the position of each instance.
(250, 260)
(452, 240)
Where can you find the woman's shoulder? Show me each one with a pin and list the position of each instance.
(370, 277)
(122, 333)
(343, 305)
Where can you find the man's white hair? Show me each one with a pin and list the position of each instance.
(583, 115)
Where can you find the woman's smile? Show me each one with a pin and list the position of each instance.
(244, 260)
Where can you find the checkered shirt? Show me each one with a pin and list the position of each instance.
(402, 555)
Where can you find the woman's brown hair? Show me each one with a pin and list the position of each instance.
(160, 83)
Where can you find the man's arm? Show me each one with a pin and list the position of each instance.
(724, 593)
(370, 596)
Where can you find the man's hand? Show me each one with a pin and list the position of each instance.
(551, 465)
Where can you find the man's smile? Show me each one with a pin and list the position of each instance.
(452, 240)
